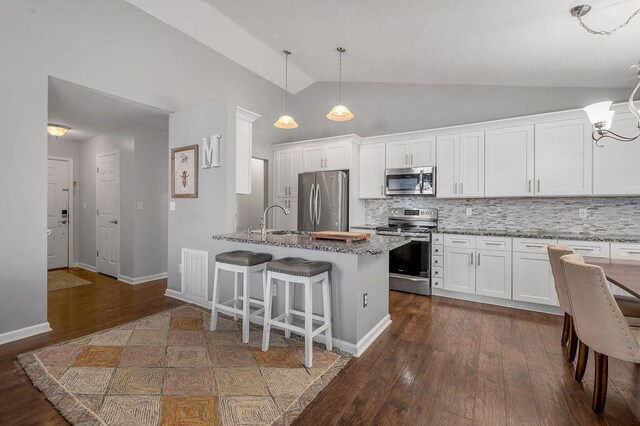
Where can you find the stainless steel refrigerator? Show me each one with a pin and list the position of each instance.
(323, 201)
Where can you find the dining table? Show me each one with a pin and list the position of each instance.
(624, 274)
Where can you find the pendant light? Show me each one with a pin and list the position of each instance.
(57, 130)
(286, 121)
(340, 112)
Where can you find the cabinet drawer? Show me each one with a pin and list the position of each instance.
(437, 251)
(437, 261)
(437, 272)
(437, 283)
(437, 239)
(589, 248)
(466, 241)
(532, 245)
(627, 251)
(493, 243)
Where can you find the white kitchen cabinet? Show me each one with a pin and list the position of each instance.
(286, 222)
(372, 165)
(288, 164)
(615, 164)
(459, 270)
(509, 162)
(532, 279)
(460, 171)
(411, 153)
(333, 156)
(244, 142)
(588, 248)
(563, 158)
(493, 273)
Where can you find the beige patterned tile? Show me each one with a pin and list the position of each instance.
(276, 357)
(224, 324)
(148, 338)
(59, 355)
(87, 380)
(255, 339)
(240, 381)
(187, 312)
(179, 323)
(56, 372)
(137, 381)
(187, 357)
(190, 411)
(224, 338)
(99, 356)
(131, 410)
(231, 356)
(111, 338)
(283, 402)
(189, 381)
(156, 322)
(251, 410)
(186, 338)
(288, 382)
(320, 357)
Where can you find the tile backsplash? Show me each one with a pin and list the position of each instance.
(605, 215)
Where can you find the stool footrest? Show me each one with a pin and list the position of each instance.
(252, 300)
(275, 322)
(302, 314)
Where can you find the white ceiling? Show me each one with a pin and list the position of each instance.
(90, 113)
(490, 42)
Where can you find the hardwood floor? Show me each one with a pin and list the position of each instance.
(442, 361)
(72, 313)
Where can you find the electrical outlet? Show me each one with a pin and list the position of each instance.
(469, 211)
(172, 205)
(84, 204)
(583, 213)
(365, 300)
(273, 290)
(380, 209)
(139, 205)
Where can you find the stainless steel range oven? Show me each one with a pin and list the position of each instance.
(410, 265)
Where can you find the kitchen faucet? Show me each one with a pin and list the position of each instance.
(263, 221)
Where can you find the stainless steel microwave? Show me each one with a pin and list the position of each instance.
(413, 181)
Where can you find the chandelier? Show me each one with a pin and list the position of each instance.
(581, 10)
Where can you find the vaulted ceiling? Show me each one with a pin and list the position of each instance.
(489, 42)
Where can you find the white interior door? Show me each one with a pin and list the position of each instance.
(108, 213)
(58, 214)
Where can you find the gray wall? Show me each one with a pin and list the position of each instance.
(392, 108)
(195, 220)
(107, 45)
(71, 149)
(250, 206)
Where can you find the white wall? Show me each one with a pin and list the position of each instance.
(107, 45)
(71, 149)
(250, 206)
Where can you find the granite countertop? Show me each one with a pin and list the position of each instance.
(375, 245)
(542, 234)
(367, 226)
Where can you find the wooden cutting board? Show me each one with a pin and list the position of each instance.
(347, 237)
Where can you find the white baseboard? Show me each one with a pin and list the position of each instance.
(340, 344)
(85, 266)
(508, 303)
(372, 335)
(21, 333)
(134, 281)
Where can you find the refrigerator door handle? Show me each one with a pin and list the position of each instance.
(318, 205)
(311, 204)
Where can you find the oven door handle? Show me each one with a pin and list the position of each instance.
(409, 278)
(421, 240)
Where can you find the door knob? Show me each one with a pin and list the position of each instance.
(63, 221)
(115, 222)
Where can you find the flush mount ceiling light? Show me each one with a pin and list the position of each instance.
(286, 121)
(340, 112)
(57, 130)
(581, 10)
(601, 117)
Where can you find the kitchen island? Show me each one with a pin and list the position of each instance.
(360, 273)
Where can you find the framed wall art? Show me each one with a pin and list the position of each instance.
(184, 172)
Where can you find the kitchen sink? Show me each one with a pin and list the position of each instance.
(282, 232)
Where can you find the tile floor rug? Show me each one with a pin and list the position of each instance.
(58, 280)
(170, 369)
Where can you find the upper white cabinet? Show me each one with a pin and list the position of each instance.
(288, 164)
(563, 158)
(509, 162)
(372, 165)
(332, 156)
(411, 153)
(460, 171)
(244, 140)
(615, 165)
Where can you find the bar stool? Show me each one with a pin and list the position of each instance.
(245, 263)
(293, 270)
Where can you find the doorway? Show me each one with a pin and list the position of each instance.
(251, 206)
(59, 212)
(108, 213)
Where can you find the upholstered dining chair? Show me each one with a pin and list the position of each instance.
(598, 321)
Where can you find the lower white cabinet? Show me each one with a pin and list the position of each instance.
(532, 279)
(286, 222)
(459, 270)
(493, 273)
